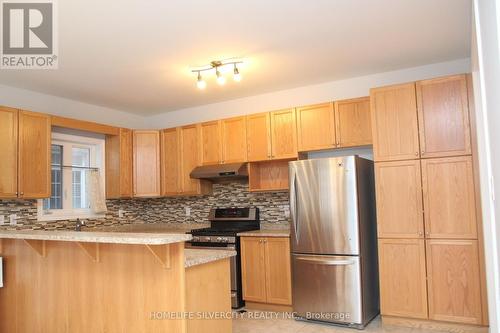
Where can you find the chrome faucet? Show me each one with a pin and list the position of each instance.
(79, 225)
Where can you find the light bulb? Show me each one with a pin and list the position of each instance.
(237, 75)
(221, 80)
(201, 84)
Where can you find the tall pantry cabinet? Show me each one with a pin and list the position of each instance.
(429, 250)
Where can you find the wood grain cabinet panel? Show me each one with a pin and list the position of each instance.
(315, 127)
(399, 199)
(394, 123)
(258, 136)
(283, 134)
(119, 164)
(170, 162)
(234, 140)
(146, 163)
(34, 163)
(403, 288)
(454, 281)
(253, 269)
(190, 159)
(443, 116)
(449, 202)
(211, 143)
(278, 271)
(353, 122)
(8, 147)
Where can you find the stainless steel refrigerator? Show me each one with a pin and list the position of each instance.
(333, 240)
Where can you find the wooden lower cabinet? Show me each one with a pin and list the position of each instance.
(454, 281)
(403, 289)
(266, 273)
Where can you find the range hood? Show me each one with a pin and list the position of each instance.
(220, 171)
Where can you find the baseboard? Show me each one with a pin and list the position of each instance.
(432, 325)
(267, 307)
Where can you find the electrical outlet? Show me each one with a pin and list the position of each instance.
(2, 219)
(120, 212)
(188, 211)
(287, 213)
(13, 219)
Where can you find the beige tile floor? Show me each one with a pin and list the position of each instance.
(272, 324)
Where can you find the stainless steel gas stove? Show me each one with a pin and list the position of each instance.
(225, 224)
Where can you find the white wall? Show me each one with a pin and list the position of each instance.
(334, 90)
(486, 79)
(33, 101)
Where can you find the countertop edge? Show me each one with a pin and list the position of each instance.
(195, 257)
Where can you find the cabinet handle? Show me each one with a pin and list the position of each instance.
(22, 193)
(265, 240)
(423, 152)
(416, 153)
(260, 240)
(338, 143)
(420, 233)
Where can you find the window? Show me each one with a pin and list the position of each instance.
(72, 159)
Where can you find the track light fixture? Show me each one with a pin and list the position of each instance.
(217, 65)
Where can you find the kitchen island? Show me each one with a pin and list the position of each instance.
(67, 281)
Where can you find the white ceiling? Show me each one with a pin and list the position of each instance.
(134, 55)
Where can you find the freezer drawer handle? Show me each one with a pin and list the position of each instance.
(327, 262)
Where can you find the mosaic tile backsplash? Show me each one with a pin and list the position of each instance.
(274, 209)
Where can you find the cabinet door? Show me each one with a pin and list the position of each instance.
(190, 158)
(278, 272)
(8, 147)
(399, 199)
(353, 123)
(443, 116)
(234, 140)
(146, 163)
(449, 203)
(454, 281)
(283, 134)
(394, 123)
(258, 137)
(403, 288)
(170, 162)
(211, 144)
(119, 157)
(253, 269)
(126, 163)
(315, 127)
(34, 155)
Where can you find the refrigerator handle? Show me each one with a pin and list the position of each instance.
(293, 206)
(326, 261)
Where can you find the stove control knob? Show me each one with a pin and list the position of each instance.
(224, 240)
(219, 239)
(196, 239)
(207, 239)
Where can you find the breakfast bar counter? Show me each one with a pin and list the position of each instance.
(105, 282)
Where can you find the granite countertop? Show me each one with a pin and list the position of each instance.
(195, 257)
(266, 233)
(144, 238)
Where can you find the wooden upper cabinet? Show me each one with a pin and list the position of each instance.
(449, 202)
(211, 147)
(454, 281)
(253, 269)
(399, 199)
(443, 116)
(146, 163)
(315, 127)
(353, 122)
(402, 272)
(190, 159)
(394, 123)
(283, 134)
(170, 162)
(34, 163)
(119, 160)
(278, 272)
(8, 147)
(259, 137)
(234, 140)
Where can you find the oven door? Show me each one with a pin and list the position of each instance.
(233, 265)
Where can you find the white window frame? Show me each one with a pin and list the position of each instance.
(96, 161)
